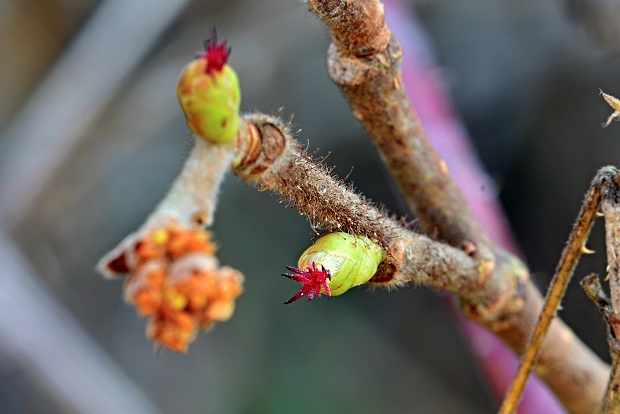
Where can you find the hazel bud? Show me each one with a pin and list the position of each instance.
(209, 94)
(334, 264)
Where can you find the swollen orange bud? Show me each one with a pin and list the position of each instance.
(175, 279)
(209, 94)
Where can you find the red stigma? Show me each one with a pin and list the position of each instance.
(313, 280)
(216, 54)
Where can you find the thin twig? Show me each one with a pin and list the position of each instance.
(566, 267)
(592, 286)
(610, 194)
(610, 206)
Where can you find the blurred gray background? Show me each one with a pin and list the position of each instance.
(91, 136)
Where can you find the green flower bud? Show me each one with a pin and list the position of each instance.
(334, 264)
(209, 94)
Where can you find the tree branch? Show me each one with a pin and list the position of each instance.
(508, 303)
(274, 160)
(373, 86)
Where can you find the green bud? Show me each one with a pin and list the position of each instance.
(209, 94)
(350, 260)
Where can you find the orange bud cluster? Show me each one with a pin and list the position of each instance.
(174, 279)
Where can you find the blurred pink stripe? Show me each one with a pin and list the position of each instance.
(445, 130)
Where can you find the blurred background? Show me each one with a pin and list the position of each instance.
(91, 136)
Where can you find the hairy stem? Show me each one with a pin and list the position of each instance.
(193, 194)
(507, 302)
(190, 202)
(373, 86)
(275, 161)
(507, 305)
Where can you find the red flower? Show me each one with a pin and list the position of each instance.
(215, 54)
(313, 280)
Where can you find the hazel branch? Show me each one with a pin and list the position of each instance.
(372, 84)
(508, 303)
(174, 277)
(189, 203)
(275, 161)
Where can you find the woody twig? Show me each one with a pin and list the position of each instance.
(364, 61)
(610, 206)
(566, 267)
(273, 160)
